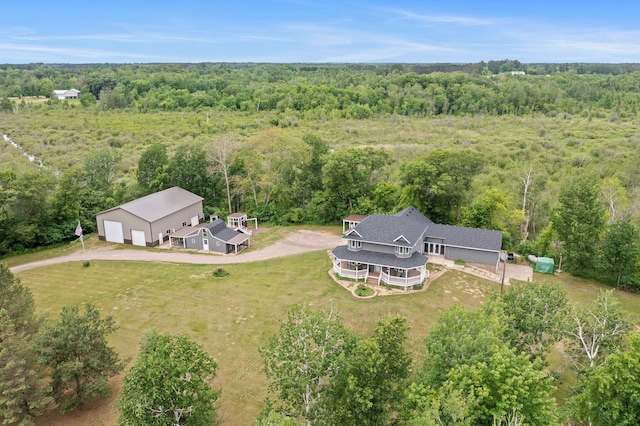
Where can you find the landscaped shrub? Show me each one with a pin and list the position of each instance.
(86, 263)
(220, 272)
(459, 262)
(364, 291)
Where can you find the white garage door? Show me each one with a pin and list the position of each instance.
(137, 238)
(113, 231)
(194, 220)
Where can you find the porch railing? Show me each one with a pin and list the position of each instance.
(382, 277)
(355, 274)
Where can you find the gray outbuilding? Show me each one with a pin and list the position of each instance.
(148, 221)
(214, 236)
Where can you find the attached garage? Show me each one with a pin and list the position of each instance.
(113, 231)
(148, 221)
(138, 238)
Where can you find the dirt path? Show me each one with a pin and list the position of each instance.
(298, 242)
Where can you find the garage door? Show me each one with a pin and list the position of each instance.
(137, 238)
(113, 231)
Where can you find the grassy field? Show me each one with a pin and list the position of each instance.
(231, 317)
(234, 316)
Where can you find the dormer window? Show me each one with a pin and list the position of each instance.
(403, 251)
(355, 245)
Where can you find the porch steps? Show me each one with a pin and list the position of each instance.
(244, 230)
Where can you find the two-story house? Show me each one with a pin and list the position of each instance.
(391, 249)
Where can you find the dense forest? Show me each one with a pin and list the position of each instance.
(546, 153)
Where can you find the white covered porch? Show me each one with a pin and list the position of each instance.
(381, 274)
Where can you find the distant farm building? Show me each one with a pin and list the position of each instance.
(66, 94)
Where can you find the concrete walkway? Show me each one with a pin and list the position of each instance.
(516, 272)
(298, 242)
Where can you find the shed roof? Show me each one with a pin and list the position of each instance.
(221, 231)
(355, 218)
(159, 204)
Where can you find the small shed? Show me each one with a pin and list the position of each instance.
(213, 236)
(238, 221)
(545, 265)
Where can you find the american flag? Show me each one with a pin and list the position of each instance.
(78, 230)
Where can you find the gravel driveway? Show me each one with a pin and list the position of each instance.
(298, 242)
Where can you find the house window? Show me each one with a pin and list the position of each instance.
(355, 245)
(218, 243)
(184, 223)
(403, 250)
(168, 231)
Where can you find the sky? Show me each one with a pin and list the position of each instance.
(329, 31)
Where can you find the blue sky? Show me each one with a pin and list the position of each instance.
(116, 31)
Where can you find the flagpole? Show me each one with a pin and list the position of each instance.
(79, 234)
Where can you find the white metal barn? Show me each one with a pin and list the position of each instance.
(148, 221)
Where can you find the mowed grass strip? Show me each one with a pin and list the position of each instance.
(234, 316)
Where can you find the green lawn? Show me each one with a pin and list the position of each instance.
(234, 316)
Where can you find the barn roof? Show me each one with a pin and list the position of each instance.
(159, 204)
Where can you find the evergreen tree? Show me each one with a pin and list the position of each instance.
(76, 350)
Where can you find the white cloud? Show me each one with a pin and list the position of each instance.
(440, 19)
(64, 52)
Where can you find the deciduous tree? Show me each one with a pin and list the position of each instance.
(371, 387)
(537, 316)
(609, 394)
(188, 169)
(595, 331)
(170, 384)
(506, 385)
(151, 173)
(620, 256)
(303, 357)
(223, 153)
(580, 222)
(460, 337)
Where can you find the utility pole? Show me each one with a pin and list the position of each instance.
(503, 256)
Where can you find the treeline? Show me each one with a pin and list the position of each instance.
(339, 91)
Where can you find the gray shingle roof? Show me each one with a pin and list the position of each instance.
(383, 259)
(221, 231)
(160, 204)
(414, 214)
(215, 226)
(411, 224)
(460, 236)
(394, 230)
